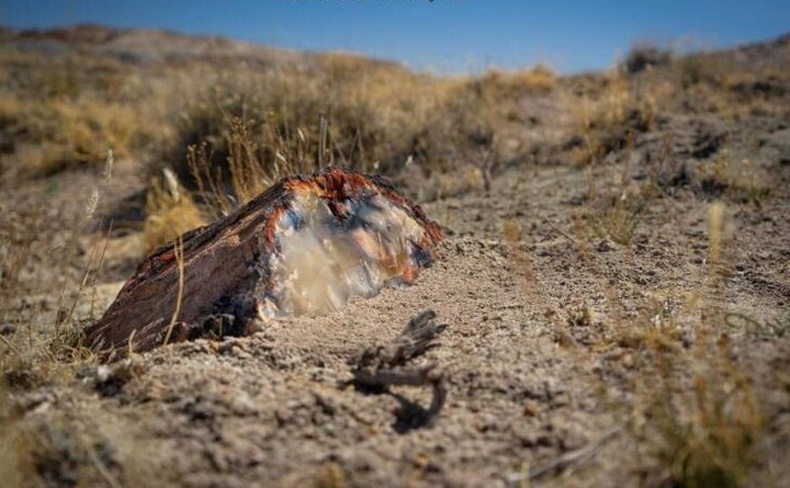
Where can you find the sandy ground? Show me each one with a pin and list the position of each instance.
(537, 307)
(524, 385)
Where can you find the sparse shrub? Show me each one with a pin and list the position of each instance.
(616, 209)
(704, 68)
(11, 111)
(619, 114)
(30, 357)
(255, 161)
(619, 219)
(742, 182)
(206, 120)
(696, 416)
(246, 132)
(507, 85)
(60, 134)
(256, 117)
(60, 112)
(644, 55)
(703, 434)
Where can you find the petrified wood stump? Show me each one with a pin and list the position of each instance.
(304, 246)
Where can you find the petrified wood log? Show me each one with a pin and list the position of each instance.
(303, 246)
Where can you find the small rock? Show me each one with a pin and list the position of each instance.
(7, 330)
(531, 408)
(604, 246)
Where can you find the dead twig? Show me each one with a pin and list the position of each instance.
(178, 251)
(379, 367)
(103, 469)
(557, 229)
(572, 458)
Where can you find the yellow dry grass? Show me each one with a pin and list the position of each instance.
(507, 84)
(170, 211)
(741, 181)
(607, 115)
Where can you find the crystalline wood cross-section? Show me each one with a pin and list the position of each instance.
(304, 246)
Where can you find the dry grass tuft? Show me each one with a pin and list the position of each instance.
(170, 211)
(644, 56)
(617, 113)
(36, 356)
(702, 421)
(538, 79)
(64, 111)
(704, 69)
(616, 206)
(238, 134)
(699, 421)
(742, 182)
(292, 120)
(330, 476)
(692, 406)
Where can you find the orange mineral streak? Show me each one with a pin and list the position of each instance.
(336, 185)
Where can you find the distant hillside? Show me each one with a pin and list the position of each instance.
(157, 46)
(68, 93)
(154, 46)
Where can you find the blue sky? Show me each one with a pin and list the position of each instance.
(455, 36)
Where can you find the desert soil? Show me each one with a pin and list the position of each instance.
(536, 306)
